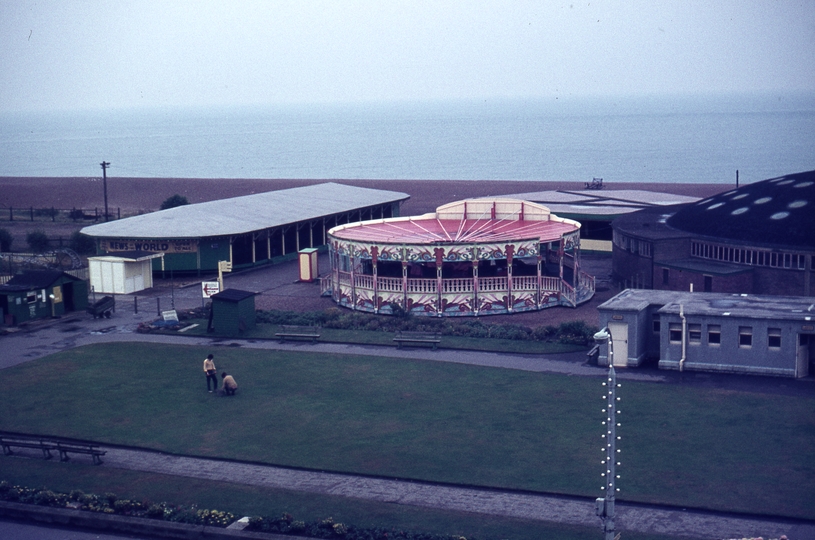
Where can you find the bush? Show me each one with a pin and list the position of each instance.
(38, 241)
(82, 243)
(576, 333)
(5, 240)
(175, 200)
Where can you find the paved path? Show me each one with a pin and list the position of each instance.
(567, 510)
(55, 336)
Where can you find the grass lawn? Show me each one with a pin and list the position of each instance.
(681, 445)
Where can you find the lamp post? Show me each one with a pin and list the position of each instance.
(604, 506)
(105, 165)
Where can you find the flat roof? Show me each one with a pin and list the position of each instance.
(752, 306)
(605, 202)
(127, 256)
(472, 220)
(249, 213)
(705, 266)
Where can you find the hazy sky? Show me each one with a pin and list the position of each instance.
(122, 53)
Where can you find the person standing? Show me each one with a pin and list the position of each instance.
(211, 373)
(229, 384)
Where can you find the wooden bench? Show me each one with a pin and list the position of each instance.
(404, 336)
(75, 448)
(45, 446)
(298, 332)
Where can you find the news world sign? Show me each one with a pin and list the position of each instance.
(154, 246)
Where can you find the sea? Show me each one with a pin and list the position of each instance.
(667, 139)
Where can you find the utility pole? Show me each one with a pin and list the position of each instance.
(105, 165)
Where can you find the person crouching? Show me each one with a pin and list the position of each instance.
(228, 386)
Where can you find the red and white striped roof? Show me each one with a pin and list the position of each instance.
(469, 221)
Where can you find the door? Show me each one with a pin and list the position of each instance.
(619, 337)
(804, 353)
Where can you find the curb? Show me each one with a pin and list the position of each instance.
(64, 517)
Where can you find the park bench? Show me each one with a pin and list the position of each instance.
(298, 332)
(19, 442)
(404, 336)
(596, 183)
(78, 448)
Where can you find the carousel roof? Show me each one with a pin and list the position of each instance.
(470, 221)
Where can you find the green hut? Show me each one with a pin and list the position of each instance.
(39, 294)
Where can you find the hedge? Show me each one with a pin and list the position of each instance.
(572, 332)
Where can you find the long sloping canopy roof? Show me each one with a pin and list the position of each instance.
(470, 221)
(249, 213)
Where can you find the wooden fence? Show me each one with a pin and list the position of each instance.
(77, 215)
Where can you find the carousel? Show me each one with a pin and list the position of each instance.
(469, 258)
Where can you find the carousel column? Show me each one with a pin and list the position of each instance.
(560, 255)
(404, 282)
(540, 279)
(510, 251)
(439, 252)
(475, 280)
(334, 258)
(374, 253)
(352, 255)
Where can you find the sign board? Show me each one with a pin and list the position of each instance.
(183, 245)
(208, 288)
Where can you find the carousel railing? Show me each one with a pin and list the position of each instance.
(459, 285)
(425, 286)
(389, 284)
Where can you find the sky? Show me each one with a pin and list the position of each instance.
(102, 54)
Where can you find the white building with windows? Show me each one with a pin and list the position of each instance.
(717, 332)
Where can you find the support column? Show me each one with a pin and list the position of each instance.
(374, 256)
(540, 279)
(475, 280)
(404, 282)
(510, 251)
(439, 252)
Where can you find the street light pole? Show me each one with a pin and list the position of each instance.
(105, 166)
(605, 505)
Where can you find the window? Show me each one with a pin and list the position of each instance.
(745, 336)
(655, 323)
(675, 332)
(31, 297)
(708, 287)
(714, 334)
(695, 333)
(774, 338)
(665, 276)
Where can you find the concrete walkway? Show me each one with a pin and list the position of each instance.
(62, 334)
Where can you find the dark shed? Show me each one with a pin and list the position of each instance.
(233, 312)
